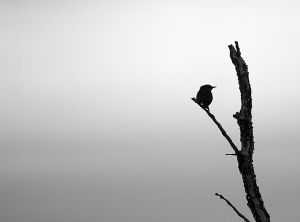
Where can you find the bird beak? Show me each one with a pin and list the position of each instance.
(214, 86)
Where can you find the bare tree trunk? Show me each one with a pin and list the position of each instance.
(244, 120)
(245, 155)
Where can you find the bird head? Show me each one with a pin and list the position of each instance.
(208, 87)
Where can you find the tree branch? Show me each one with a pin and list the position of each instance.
(230, 154)
(220, 127)
(244, 117)
(233, 207)
(244, 120)
(245, 155)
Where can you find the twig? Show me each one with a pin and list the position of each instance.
(237, 48)
(220, 127)
(233, 207)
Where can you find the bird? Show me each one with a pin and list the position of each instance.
(204, 96)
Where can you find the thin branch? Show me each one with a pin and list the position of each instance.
(220, 127)
(233, 207)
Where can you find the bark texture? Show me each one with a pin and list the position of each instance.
(244, 156)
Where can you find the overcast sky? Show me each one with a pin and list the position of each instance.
(97, 122)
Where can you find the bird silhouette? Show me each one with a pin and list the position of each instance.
(204, 96)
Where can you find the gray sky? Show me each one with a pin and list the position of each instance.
(97, 122)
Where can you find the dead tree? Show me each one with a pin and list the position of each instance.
(245, 154)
